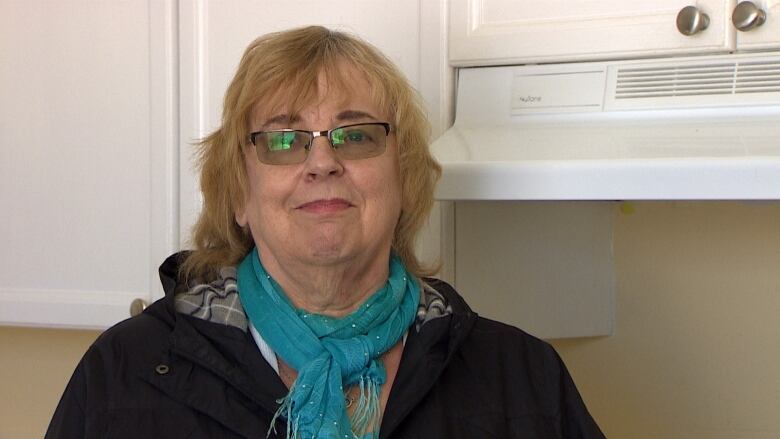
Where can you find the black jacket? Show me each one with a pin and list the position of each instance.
(167, 375)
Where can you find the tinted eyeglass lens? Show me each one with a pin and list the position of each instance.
(282, 147)
(283, 141)
(359, 141)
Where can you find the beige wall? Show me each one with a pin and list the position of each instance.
(35, 365)
(696, 347)
(695, 352)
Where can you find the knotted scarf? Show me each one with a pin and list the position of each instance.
(330, 354)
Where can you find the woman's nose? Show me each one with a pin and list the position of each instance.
(322, 160)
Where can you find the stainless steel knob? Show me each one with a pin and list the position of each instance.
(690, 20)
(748, 16)
(137, 306)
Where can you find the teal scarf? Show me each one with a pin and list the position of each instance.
(330, 354)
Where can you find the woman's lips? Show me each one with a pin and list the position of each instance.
(333, 205)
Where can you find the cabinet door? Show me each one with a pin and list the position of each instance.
(765, 36)
(87, 143)
(485, 32)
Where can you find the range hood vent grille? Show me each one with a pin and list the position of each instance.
(705, 79)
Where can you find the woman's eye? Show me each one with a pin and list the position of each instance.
(356, 136)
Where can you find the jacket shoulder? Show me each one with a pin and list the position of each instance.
(108, 376)
(137, 334)
(513, 381)
(115, 363)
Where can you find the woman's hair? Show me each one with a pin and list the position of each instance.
(284, 67)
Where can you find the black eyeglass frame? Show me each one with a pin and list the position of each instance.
(326, 133)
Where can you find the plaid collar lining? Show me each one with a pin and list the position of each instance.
(218, 302)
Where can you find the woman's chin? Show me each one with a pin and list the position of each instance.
(328, 256)
(329, 251)
(330, 243)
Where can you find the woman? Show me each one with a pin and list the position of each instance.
(303, 311)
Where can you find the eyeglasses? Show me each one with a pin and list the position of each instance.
(350, 142)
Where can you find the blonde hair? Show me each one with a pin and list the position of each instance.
(286, 65)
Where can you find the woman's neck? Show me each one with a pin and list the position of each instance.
(334, 290)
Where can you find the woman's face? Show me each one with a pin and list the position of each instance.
(325, 210)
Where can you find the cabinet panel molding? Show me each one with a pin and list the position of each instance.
(84, 309)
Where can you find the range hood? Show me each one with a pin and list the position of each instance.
(678, 128)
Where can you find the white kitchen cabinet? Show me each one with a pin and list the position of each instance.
(490, 32)
(88, 141)
(100, 103)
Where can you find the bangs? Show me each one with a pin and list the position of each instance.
(292, 79)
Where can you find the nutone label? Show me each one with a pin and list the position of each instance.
(558, 92)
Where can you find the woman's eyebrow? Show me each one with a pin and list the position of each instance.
(346, 115)
(354, 115)
(280, 119)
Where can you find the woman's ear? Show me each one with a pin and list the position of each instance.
(240, 216)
